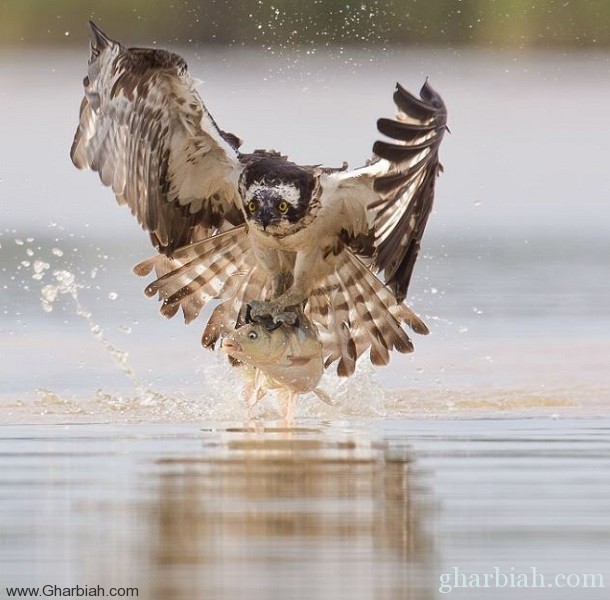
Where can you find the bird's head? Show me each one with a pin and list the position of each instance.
(281, 199)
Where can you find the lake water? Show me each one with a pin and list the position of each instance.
(124, 456)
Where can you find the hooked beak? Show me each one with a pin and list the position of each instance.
(266, 217)
(267, 213)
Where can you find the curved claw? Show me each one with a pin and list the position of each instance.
(258, 311)
(248, 320)
(286, 317)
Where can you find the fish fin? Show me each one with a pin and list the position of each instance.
(299, 360)
(287, 399)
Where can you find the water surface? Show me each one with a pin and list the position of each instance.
(323, 511)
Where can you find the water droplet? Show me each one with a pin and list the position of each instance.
(65, 278)
(48, 296)
(57, 252)
(39, 268)
(113, 295)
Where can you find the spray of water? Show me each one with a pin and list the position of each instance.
(360, 395)
(66, 285)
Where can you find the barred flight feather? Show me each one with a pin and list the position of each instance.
(200, 272)
(354, 311)
(406, 189)
(145, 130)
(253, 284)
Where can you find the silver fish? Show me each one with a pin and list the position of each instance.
(284, 357)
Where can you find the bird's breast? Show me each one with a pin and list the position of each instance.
(278, 239)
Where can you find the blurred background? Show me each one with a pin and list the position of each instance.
(285, 23)
(514, 276)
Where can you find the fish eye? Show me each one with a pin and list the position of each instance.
(252, 335)
(283, 206)
(252, 206)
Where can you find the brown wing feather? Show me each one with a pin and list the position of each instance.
(397, 187)
(221, 267)
(145, 130)
(201, 272)
(354, 312)
(253, 284)
(406, 190)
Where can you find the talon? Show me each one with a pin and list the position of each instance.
(271, 313)
(247, 317)
(286, 317)
(256, 309)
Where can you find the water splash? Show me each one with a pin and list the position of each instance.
(296, 37)
(67, 285)
(217, 392)
(360, 395)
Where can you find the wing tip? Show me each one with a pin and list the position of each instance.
(345, 368)
(98, 38)
(418, 326)
(169, 310)
(430, 95)
(145, 267)
(99, 41)
(429, 104)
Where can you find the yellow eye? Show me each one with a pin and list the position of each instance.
(252, 206)
(283, 206)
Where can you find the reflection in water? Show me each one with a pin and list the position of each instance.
(369, 511)
(288, 514)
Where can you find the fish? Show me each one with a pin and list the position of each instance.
(280, 356)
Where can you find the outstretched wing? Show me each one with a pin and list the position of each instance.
(221, 267)
(145, 130)
(352, 310)
(397, 187)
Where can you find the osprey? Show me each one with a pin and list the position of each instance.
(254, 228)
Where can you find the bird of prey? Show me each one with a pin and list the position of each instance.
(255, 228)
